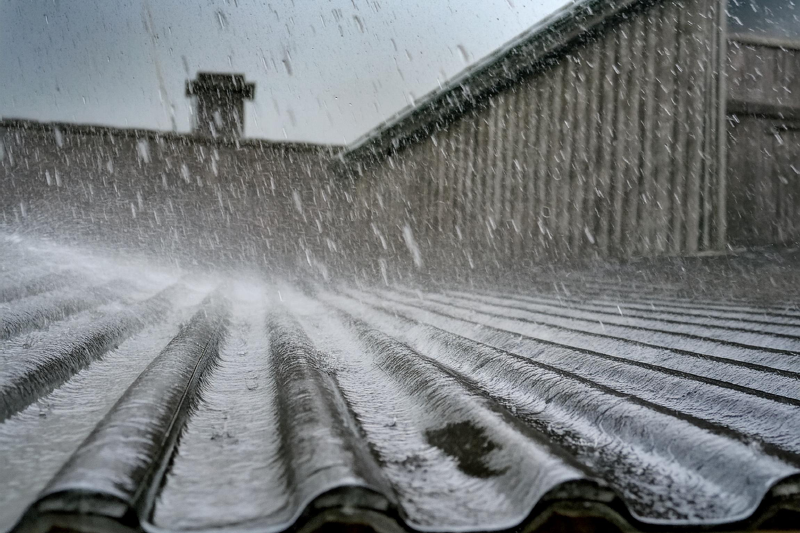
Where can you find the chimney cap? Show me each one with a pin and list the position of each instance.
(211, 82)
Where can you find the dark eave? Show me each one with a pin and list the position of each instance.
(750, 39)
(761, 109)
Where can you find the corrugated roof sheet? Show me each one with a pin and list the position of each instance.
(134, 397)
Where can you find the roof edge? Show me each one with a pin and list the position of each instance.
(507, 64)
(752, 39)
(141, 133)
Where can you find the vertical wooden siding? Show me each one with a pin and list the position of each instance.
(764, 137)
(764, 204)
(763, 74)
(609, 149)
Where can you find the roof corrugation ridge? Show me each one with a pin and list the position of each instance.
(31, 287)
(37, 311)
(681, 384)
(115, 473)
(653, 313)
(37, 372)
(566, 335)
(498, 368)
(732, 311)
(533, 465)
(759, 339)
(438, 411)
(775, 361)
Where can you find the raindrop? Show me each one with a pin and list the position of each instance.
(287, 64)
(222, 20)
(464, 53)
(411, 244)
(143, 150)
(298, 204)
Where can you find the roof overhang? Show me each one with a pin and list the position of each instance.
(516, 59)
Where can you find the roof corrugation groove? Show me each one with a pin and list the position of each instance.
(132, 397)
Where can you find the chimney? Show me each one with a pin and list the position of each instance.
(219, 104)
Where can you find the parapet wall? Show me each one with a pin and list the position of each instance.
(181, 197)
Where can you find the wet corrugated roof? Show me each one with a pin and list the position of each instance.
(138, 397)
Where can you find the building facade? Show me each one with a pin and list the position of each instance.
(601, 138)
(614, 129)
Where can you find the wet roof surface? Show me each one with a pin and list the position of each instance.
(175, 402)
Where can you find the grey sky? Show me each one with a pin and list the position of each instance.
(772, 18)
(325, 70)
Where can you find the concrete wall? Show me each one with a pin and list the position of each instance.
(184, 198)
(612, 148)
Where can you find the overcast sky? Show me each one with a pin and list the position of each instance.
(325, 70)
(772, 18)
